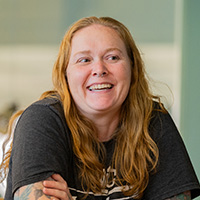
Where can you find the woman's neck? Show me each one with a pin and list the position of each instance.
(106, 125)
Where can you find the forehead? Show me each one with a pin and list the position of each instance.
(96, 28)
(95, 34)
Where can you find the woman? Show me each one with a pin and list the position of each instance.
(100, 133)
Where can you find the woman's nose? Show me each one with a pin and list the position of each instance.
(99, 69)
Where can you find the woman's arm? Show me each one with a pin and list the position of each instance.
(54, 187)
(183, 196)
(32, 191)
(57, 184)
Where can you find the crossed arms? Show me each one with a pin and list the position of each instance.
(56, 188)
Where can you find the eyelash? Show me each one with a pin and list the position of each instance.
(113, 56)
(81, 60)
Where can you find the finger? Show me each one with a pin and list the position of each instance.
(54, 193)
(57, 177)
(54, 178)
(56, 185)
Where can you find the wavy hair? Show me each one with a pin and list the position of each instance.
(135, 154)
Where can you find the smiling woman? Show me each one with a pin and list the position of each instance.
(99, 77)
(100, 133)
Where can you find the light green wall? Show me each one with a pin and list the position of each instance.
(190, 101)
(30, 22)
(45, 21)
(150, 21)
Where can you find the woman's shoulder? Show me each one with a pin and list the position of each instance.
(159, 113)
(48, 111)
(43, 118)
(46, 106)
(161, 122)
(49, 102)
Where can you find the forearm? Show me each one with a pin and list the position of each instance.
(32, 191)
(55, 187)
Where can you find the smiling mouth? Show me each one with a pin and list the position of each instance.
(100, 87)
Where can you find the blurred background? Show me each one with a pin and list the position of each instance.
(166, 31)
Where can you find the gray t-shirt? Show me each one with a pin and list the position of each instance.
(43, 146)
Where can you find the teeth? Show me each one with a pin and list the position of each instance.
(100, 87)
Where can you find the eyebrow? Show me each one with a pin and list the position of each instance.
(76, 55)
(88, 51)
(113, 49)
(82, 52)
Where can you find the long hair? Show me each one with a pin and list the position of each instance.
(135, 154)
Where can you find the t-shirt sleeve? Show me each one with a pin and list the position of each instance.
(40, 147)
(175, 173)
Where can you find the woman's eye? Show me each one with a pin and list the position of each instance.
(113, 58)
(83, 60)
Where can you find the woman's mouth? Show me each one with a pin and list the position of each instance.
(103, 86)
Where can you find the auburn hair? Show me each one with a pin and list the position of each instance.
(135, 154)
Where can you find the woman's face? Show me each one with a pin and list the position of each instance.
(99, 70)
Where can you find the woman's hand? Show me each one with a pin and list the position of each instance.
(57, 187)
